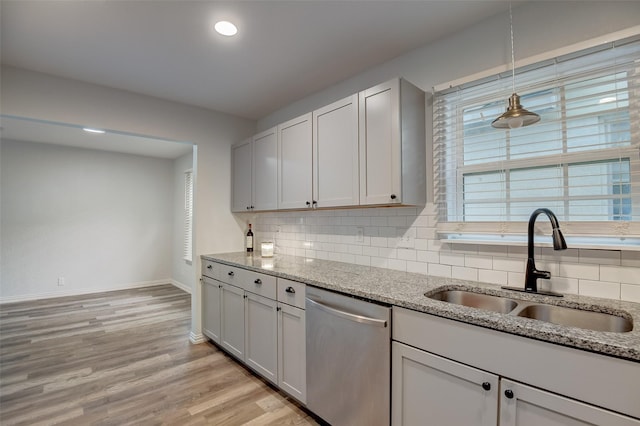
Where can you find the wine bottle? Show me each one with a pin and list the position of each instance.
(249, 239)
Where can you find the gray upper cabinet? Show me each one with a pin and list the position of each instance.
(265, 170)
(368, 149)
(241, 171)
(335, 154)
(294, 163)
(392, 144)
(254, 173)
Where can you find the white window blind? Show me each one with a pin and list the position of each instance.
(581, 160)
(188, 215)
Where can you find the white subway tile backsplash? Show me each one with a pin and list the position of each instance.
(464, 273)
(630, 292)
(398, 265)
(428, 256)
(509, 264)
(492, 276)
(608, 290)
(417, 267)
(478, 261)
(331, 234)
(631, 258)
(600, 257)
(452, 258)
(439, 270)
(379, 241)
(562, 285)
(574, 270)
(407, 254)
(515, 279)
(622, 274)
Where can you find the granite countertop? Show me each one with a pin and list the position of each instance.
(407, 290)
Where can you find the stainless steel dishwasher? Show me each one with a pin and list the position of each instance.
(348, 359)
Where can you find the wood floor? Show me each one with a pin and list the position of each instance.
(124, 358)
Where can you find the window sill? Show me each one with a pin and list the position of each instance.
(591, 243)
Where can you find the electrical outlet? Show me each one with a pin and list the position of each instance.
(405, 239)
(60, 281)
(359, 234)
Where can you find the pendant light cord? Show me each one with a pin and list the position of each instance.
(513, 56)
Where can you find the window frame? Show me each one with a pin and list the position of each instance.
(456, 230)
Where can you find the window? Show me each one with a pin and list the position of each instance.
(582, 160)
(188, 216)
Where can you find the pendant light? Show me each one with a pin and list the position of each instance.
(516, 115)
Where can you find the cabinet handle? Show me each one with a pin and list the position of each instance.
(278, 309)
(308, 203)
(231, 273)
(248, 208)
(290, 290)
(508, 393)
(486, 386)
(209, 266)
(393, 196)
(258, 281)
(315, 202)
(252, 207)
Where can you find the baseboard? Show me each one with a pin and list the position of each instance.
(196, 339)
(78, 292)
(181, 286)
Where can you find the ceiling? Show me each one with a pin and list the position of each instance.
(284, 51)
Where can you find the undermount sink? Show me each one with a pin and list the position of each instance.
(487, 302)
(589, 320)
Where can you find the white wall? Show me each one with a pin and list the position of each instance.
(539, 27)
(183, 273)
(40, 96)
(99, 220)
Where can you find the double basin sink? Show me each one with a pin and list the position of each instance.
(572, 317)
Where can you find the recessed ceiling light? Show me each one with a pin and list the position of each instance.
(226, 28)
(90, 130)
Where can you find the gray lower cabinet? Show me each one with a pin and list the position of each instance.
(428, 389)
(261, 334)
(232, 320)
(260, 321)
(211, 290)
(523, 405)
(292, 351)
(449, 373)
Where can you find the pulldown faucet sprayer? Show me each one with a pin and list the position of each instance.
(532, 273)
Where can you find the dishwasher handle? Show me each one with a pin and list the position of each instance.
(348, 315)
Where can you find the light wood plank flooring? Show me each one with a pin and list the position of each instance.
(124, 358)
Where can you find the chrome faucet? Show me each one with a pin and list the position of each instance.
(532, 273)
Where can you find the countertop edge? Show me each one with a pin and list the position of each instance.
(404, 289)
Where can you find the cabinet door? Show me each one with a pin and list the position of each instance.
(292, 375)
(232, 323)
(265, 170)
(335, 154)
(294, 163)
(241, 168)
(428, 389)
(211, 308)
(523, 405)
(261, 334)
(380, 161)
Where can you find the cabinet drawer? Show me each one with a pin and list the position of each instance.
(291, 292)
(210, 269)
(257, 283)
(230, 275)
